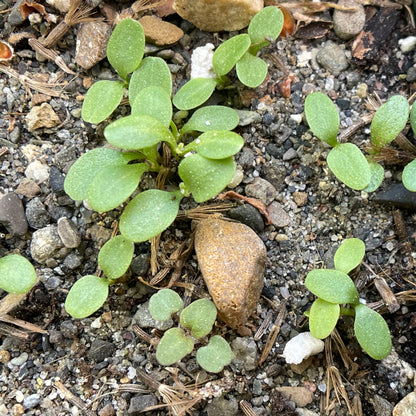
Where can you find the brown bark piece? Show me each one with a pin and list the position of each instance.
(376, 31)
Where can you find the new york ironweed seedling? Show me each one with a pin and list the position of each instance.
(17, 275)
(346, 160)
(335, 288)
(196, 322)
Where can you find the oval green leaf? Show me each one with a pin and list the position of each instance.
(115, 256)
(229, 53)
(86, 296)
(205, 178)
(101, 100)
(372, 332)
(218, 144)
(267, 23)
(413, 119)
(323, 318)
(17, 275)
(199, 317)
(164, 303)
(153, 71)
(251, 70)
(153, 101)
(322, 117)
(194, 93)
(137, 132)
(173, 346)
(126, 46)
(377, 176)
(409, 176)
(349, 255)
(332, 286)
(83, 171)
(112, 185)
(215, 356)
(349, 165)
(389, 120)
(148, 214)
(212, 117)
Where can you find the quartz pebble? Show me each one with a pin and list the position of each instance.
(301, 347)
(218, 15)
(232, 259)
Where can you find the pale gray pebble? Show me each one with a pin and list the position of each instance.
(246, 158)
(144, 320)
(31, 401)
(257, 387)
(245, 353)
(348, 24)
(290, 154)
(68, 233)
(21, 359)
(381, 406)
(45, 243)
(222, 406)
(72, 261)
(278, 216)
(36, 214)
(262, 190)
(332, 58)
(140, 402)
(248, 117)
(69, 329)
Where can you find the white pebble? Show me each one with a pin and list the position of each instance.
(96, 324)
(201, 62)
(302, 346)
(37, 171)
(407, 44)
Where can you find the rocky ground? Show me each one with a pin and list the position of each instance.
(99, 362)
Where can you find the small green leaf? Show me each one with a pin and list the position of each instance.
(322, 117)
(323, 318)
(215, 355)
(17, 275)
(332, 286)
(164, 303)
(112, 185)
(137, 132)
(372, 332)
(205, 178)
(251, 70)
(194, 93)
(153, 101)
(83, 171)
(267, 23)
(349, 165)
(101, 100)
(216, 144)
(153, 71)
(377, 176)
(86, 296)
(148, 214)
(126, 46)
(115, 256)
(389, 120)
(213, 117)
(409, 176)
(413, 119)
(229, 53)
(199, 317)
(349, 255)
(173, 346)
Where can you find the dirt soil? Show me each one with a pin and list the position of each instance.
(100, 365)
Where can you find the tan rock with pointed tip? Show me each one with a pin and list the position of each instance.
(231, 257)
(218, 15)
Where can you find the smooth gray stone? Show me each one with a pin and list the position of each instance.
(12, 214)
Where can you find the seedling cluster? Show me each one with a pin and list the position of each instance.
(196, 321)
(148, 141)
(346, 160)
(334, 288)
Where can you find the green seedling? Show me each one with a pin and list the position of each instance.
(346, 160)
(334, 288)
(17, 275)
(240, 52)
(196, 322)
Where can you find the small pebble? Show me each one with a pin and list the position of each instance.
(31, 401)
(4, 356)
(42, 116)
(68, 233)
(12, 214)
(21, 359)
(37, 171)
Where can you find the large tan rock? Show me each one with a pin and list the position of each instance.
(218, 15)
(231, 257)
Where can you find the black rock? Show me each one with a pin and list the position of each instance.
(398, 196)
(248, 215)
(56, 180)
